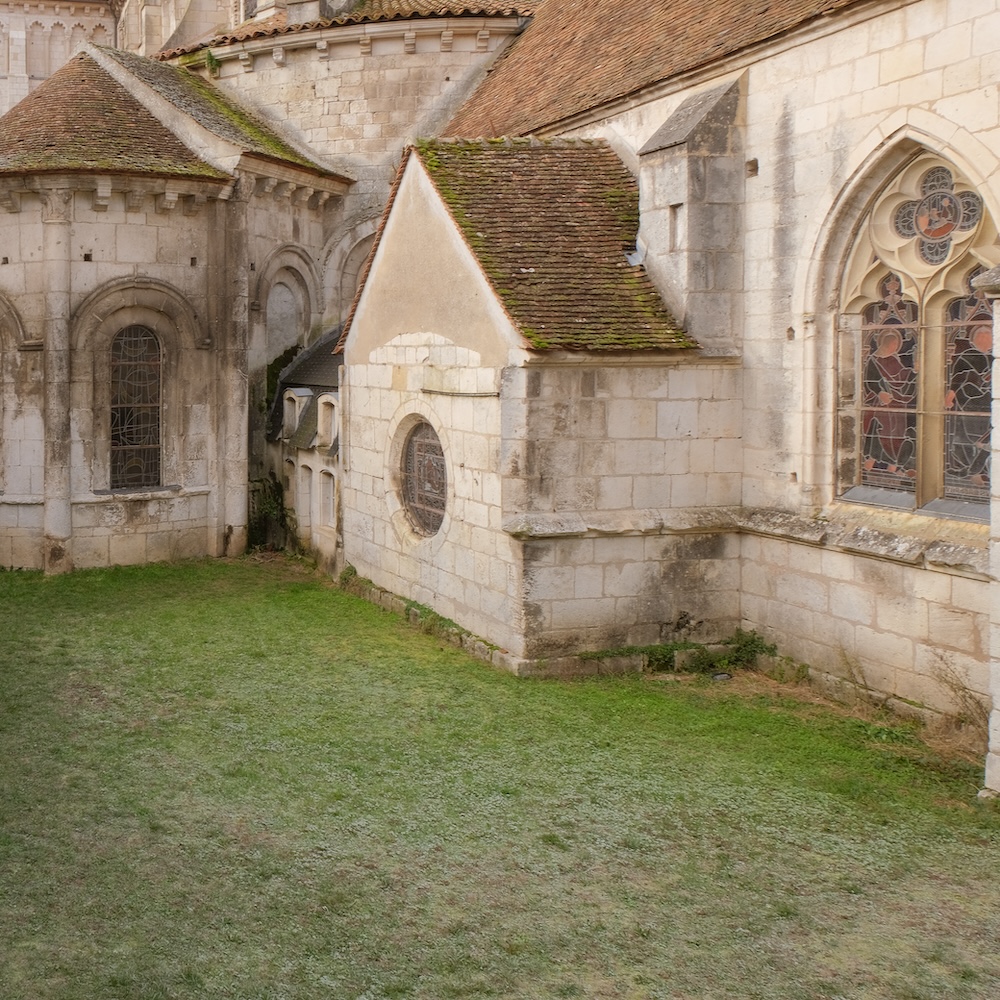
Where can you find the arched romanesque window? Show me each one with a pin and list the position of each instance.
(135, 409)
(917, 350)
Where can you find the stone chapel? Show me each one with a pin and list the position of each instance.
(586, 324)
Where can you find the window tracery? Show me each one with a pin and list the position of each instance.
(916, 390)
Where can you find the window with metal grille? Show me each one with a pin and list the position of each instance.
(425, 479)
(135, 409)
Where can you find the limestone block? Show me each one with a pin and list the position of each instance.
(969, 595)
(677, 419)
(614, 493)
(901, 614)
(689, 491)
(26, 551)
(954, 628)
(873, 646)
(880, 99)
(803, 592)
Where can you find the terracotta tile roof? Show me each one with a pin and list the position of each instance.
(551, 224)
(80, 119)
(213, 110)
(579, 54)
(364, 12)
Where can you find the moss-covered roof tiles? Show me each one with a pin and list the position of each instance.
(577, 55)
(80, 119)
(212, 109)
(550, 224)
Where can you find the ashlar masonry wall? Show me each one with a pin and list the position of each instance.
(886, 600)
(90, 260)
(620, 478)
(355, 95)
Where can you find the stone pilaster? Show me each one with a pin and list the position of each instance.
(57, 213)
(990, 284)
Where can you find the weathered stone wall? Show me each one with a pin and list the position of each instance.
(831, 112)
(469, 569)
(620, 476)
(900, 619)
(88, 263)
(36, 39)
(355, 96)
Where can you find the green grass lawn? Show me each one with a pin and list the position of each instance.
(232, 780)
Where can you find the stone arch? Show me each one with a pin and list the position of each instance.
(164, 311)
(37, 55)
(22, 402)
(59, 43)
(12, 334)
(286, 292)
(77, 37)
(343, 264)
(886, 153)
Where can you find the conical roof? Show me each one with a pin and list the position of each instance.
(81, 119)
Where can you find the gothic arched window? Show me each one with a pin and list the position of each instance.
(135, 409)
(917, 348)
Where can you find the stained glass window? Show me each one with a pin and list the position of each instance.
(135, 409)
(968, 394)
(425, 479)
(918, 351)
(888, 416)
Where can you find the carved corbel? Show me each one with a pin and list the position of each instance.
(302, 195)
(365, 45)
(167, 201)
(246, 61)
(482, 40)
(265, 185)
(102, 194)
(410, 41)
(193, 203)
(447, 40)
(323, 49)
(278, 55)
(134, 199)
(11, 200)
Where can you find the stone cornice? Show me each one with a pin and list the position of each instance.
(275, 46)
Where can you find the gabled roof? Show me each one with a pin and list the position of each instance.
(103, 112)
(550, 224)
(577, 55)
(80, 119)
(209, 107)
(367, 11)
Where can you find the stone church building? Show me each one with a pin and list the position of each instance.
(586, 324)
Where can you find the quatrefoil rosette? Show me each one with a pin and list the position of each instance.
(928, 218)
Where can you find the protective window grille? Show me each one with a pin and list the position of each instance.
(135, 409)
(425, 479)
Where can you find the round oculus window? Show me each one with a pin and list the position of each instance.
(425, 479)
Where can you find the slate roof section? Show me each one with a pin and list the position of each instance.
(367, 11)
(210, 108)
(577, 55)
(80, 119)
(551, 223)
